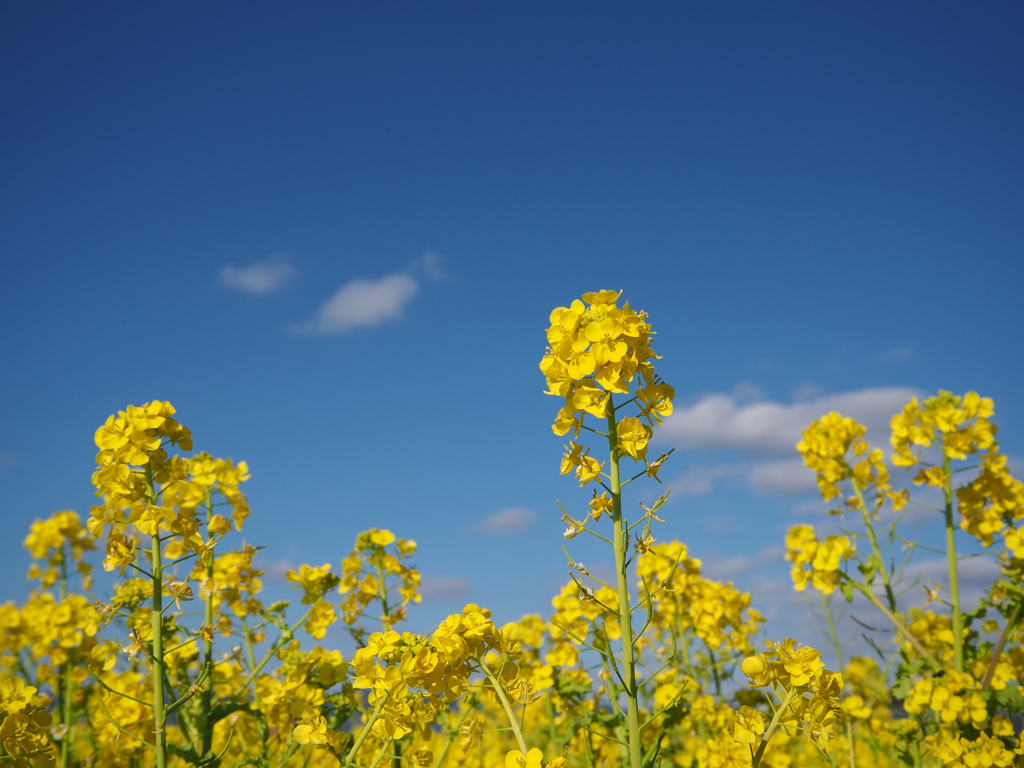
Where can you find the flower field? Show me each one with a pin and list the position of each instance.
(182, 662)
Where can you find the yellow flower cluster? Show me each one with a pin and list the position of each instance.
(816, 562)
(933, 632)
(406, 673)
(54, 540)
(954, 697)
(597, 348)
(232, 581)
(992, 502)
(826, 447)
(811, 691)
(960, 425)
(137, 437)
(24, 723)
(208, 473)
(232, 694)
(983, 752)
(298, 691)
(718, 614)
(365, 575)
(133, 461)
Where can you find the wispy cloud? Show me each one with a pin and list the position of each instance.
(701, 479)
(366, 303)
(786, 477)
(363, 303)
(506, 521)
(769, 428)
(781, 478)
(976, 574)
(896, 353)
(441, 587)
(259, 278)
(729, 568)
(429, 265)
(275, 571)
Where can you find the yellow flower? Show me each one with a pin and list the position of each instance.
(824, 447)
(597, 348)
(588, 469)
(633, 437)
(567, 421)
(816, 562)
(312, 730)
(321, 617)
(470, 731)
(516, 759)
(748, 725)
(315, 581)
(180, 591)
(15, 696)
(120, 554)
(754, 667)
(855, 707)
(600, 505)
(571, 459)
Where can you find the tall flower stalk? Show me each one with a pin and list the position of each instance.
(599, 350)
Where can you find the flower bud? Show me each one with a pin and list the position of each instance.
(753, 666)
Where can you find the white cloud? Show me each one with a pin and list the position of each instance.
(1016, 465)
(975, 575)
(782, 478)
(699, 480)
(366, 303)
(768, 428)
(259, 278)
(727, 569)
(441, 587)
(505, 521)
(770, 478)
(746, 392)
(429, 265)
(896, 353)
(813, 507)
(276, 571)
(807, 390)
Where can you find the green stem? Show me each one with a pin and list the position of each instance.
(620, 539)
(65, 742)
(998, 650)
(513, 721)
(286, 636)
(826, 605)
(374, 717)
(921, 650)
(157, 658)
(549, 712)
(886, 579)
(771, 727)
(452, 733)
(249, 653)
(954, 577)
(382, 593)
(68, 686)
(827, 608)
(714, 670)
(206, 705)
(382, 752)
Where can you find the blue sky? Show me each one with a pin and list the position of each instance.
(331, 235)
